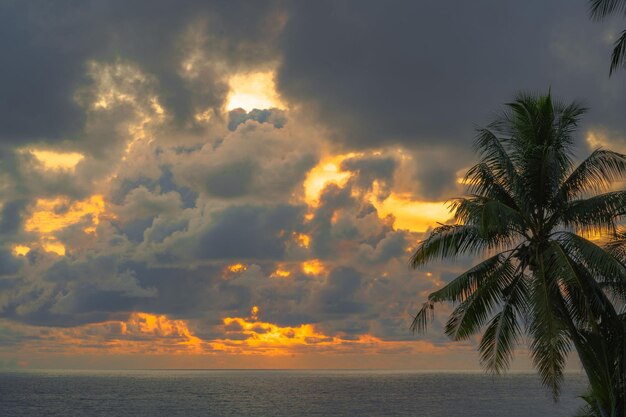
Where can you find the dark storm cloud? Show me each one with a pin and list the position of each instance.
(233, 179)
(425, 72)
(368, 169)
(250, 232)
(46, 47)
(11, 216)
(339, 295)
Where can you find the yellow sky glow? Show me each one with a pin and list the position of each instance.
(57, 160)
(321, 175)
(254, 90)
(409, 214)
(21, 250)
(48, 215)
(313, 267)
(281, 272)
(416, 216)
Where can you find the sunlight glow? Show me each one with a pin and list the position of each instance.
(254, 90)
(416, 216)
(21, 250)
(313, 267)
(53, 246)
(302, 239)
(237, 268)
(57, 160)
(280, 272)
(326, 172)
(271, 338)
(51, 215)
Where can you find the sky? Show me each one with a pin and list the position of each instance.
(226, 184)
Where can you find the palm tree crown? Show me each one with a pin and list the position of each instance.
(531, 214)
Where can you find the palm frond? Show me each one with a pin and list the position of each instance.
(550, 343)
(473, 312)
(493, 218)
(584, 298)
(423, 318)
(618, 56)
(600, 263)
(482, 181)
(594, 174)
(501, 335)
(457, 290)
(461, 287)
(602, 8)
(596, 214)
(617, 245)
(494, 155)
(449, 241)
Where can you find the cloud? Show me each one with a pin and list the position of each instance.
(48, 48)
(175, 215)
(424, 75)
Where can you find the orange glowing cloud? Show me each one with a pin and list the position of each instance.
(48, 215)
(416, 216)
(324, 173)
(280, 272)
(142, 333)
(52, 215)
(302, 239)
(408, 213)
(236, 267)
(252, 336)
(162, 327)
(313, 267)
(151, 334)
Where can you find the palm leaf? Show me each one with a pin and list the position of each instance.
(600, 263)
(618, 56)
(550, 344)
(594, 174)
(449, 241)
(596, 214)
(473, 312)
(501, 335)
(603, 8)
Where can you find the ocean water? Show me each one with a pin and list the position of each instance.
(281, 393)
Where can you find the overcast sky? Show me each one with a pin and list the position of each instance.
(240, 184)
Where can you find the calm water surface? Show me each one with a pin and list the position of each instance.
(280, 393)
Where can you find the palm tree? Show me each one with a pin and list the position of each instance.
(531, 215)
(602, 8)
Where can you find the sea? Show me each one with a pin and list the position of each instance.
(156, 393)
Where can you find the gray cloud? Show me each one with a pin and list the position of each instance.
(47, 47)
(424, 73)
